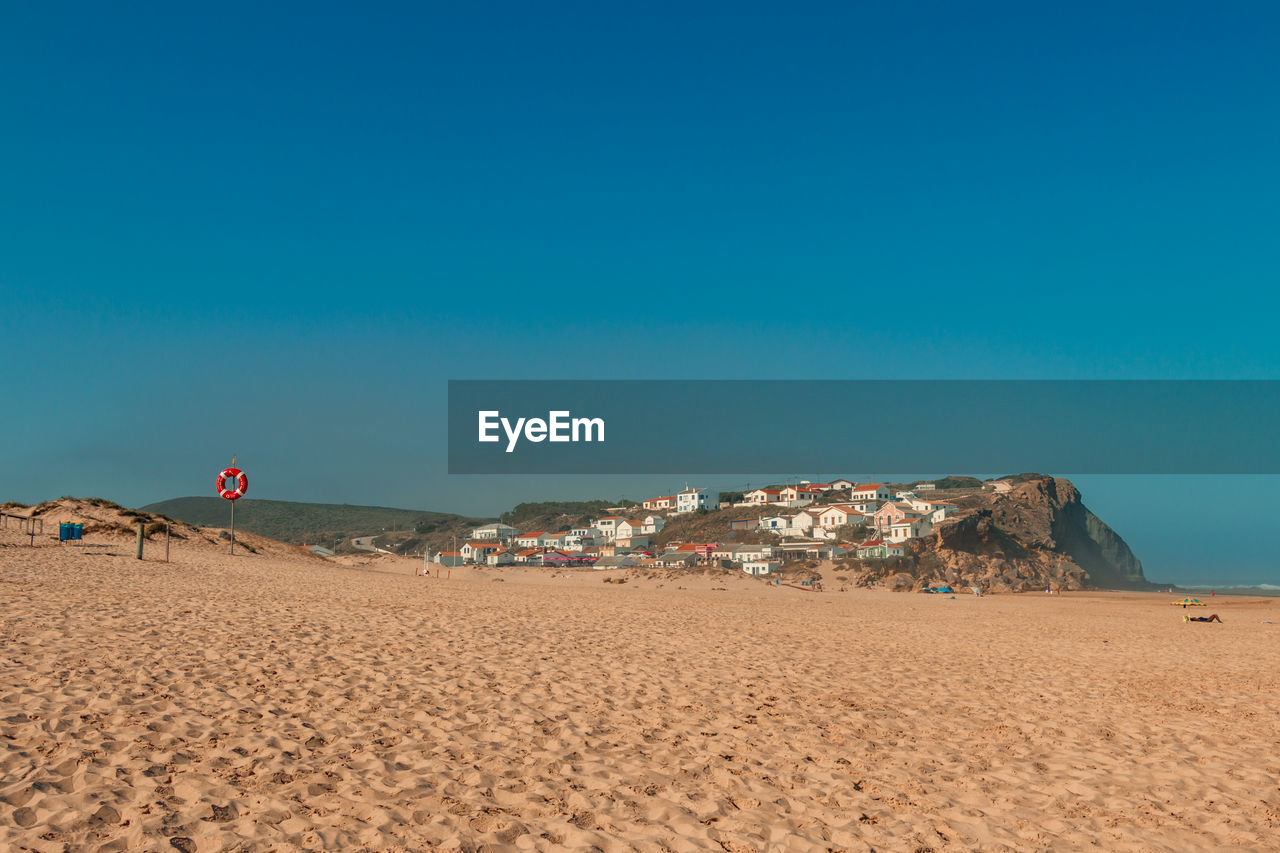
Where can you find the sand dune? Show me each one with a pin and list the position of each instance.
(276, 702)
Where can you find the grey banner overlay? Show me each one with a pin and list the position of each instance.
(961, 426)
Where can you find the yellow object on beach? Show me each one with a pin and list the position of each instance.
(1189, 602)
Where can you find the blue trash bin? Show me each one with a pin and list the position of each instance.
(77, 531)
(64, 531)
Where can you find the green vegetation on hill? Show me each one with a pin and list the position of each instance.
(714, 526)
(1017, 479)
(954, 482)
(308, 523)
(559, 515)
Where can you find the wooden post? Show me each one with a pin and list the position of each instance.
(233, 528)
(166, 542)
(140, 534)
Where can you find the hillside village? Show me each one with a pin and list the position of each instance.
(1017, 533)
(806, 521)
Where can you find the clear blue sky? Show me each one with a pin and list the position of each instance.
(277, 231)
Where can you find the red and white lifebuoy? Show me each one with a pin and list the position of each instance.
(242, 484)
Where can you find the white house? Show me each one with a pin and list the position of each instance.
(776, 523)
(793, 550)
(664, 502)
(870, 492)
(498, 531)
(763, 496)
(761, 568)
(499, 558)
(555, 540)
(588, 535)
(935, 511)
(533, 539)
(692, 500)
(911, 527)
(878, 549)
(799, 495)
(839, 516)
(627, 528)
(804, 520)
(631, 527)
(810, 550)
(723, 551)
(475, 552)
(608, 525)
(746, 553)
(841, 484)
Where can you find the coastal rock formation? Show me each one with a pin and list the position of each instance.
(1047, 513)
(975, 551)
(1036, 534)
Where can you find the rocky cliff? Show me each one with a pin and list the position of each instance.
(1038, 533)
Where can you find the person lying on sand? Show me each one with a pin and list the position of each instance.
(1212, 617)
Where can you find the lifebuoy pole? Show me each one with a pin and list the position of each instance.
(233, 508)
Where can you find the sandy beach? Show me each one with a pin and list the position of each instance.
(275, 701)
